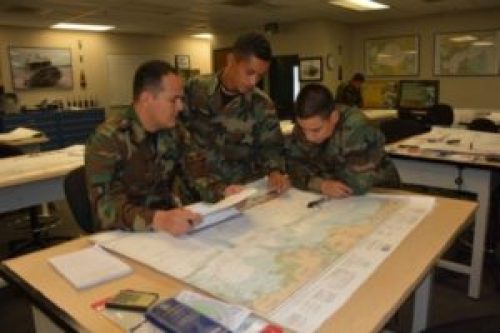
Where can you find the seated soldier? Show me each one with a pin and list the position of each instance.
(335, 152)
(133, 158)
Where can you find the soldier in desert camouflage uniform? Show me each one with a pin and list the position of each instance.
(335, 152)
(133, 159)
(234, 122)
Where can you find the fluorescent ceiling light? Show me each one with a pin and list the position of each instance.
(463, 38)
(77, 26)
(384, 55)
(359, 5)
(204, 35)
(483, 43)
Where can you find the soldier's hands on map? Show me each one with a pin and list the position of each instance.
(278, 181)
(233, 189)
(335, 189)
(176, 221)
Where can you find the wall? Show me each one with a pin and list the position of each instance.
(482, 92)
(95, 48)
(308, 39)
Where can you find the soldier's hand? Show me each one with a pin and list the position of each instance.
(233, 189)
(176, 221)
(335, 189)
(278, 182)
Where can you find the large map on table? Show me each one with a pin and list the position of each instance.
(276, 248)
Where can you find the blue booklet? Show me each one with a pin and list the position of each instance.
(174, 317)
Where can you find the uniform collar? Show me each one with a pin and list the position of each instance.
(215, 86)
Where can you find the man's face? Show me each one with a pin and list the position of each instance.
(317, 129)
(245, 73)
(165, 105)
(357, 84)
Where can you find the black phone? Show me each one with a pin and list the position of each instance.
(132, 300)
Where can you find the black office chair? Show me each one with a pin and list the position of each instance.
(399, 129)
(39, 226)
(439, 114)
(483, 125)
(75, 188)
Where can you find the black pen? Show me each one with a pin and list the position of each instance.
(316, 202)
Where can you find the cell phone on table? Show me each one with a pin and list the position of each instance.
(132, 300)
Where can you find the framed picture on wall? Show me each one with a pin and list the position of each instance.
(37, 67)
(471, 53)
(182, 61)
(310, 69)
(392, 56)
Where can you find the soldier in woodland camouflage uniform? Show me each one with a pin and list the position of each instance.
(335, 152)
(350, 94)
(132, 160)
(235, 123)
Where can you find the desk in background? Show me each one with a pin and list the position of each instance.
(33, 179)
(27, 146)
(463, 117)
(375, 301)
(467, 173)
(378, 116)
(64, 128)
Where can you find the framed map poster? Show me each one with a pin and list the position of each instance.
(472, 53)
(379, 94)
(392, 56)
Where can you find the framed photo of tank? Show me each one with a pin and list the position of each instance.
(37, 67)
(310, 69)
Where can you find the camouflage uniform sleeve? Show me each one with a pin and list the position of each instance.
(109, 202)
(270, 144)
(194, 166)
(301, 169)
(364, 159)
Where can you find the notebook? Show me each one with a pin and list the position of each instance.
(89, 267)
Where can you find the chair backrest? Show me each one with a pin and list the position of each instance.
(483, 125)
(440, 114)
(75, 189)
(398, 129)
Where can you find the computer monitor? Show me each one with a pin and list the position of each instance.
(418, 94)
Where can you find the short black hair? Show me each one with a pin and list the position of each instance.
(253, 44)
(358, 77)
(148, 76)
(314, 100)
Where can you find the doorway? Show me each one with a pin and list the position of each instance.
(284, 84)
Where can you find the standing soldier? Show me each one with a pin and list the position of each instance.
(350, 94)
(132, 159)
(235, 123)
(335, 152)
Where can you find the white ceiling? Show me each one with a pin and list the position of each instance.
(167, 17)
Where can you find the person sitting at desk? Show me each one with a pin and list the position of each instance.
(350, 93)
(133, 159)
(234, 122)
(335, 150)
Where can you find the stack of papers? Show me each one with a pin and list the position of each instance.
(20, 133)
(89, 267)
(220, 211)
